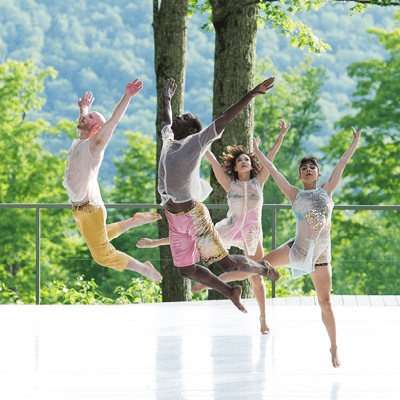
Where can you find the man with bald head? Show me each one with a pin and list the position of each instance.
(83, 163)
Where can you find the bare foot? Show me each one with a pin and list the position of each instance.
(145, 243)
(198, 287)
(264, 326)
(335, 357)
(236, 300)
(152, 273)
(272, 274)
(146, 217)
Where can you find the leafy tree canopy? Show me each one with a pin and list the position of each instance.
(374, 168)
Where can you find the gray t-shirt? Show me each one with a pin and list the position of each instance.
(179, 167)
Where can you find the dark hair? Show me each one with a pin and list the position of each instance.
(196, 124)
(308, 160)
(229, 161)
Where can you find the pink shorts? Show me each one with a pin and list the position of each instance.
(193, 235)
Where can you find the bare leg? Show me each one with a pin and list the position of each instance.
(242, 263)
(225, 277)
(138, 219)
(260, 293)
(206, 277)
(258, 290)
(323, 285)
(146, 269)
(258, 285)
(278, 257)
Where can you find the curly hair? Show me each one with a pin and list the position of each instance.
(308, 160)
(229, 161)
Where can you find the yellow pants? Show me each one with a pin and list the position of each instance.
(92, 226)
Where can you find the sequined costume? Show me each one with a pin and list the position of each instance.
(243, 223)
(193, 234)
(312, 244)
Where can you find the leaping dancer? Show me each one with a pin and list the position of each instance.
(310, 251)
(83, 163)
(243, 179)
(191, 231)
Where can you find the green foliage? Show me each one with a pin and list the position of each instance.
(288, 287)
(135, 182)
(140, 291)
(84, 292)
(374, 167)
(297, 101)
(365, 257)
(87, 292)
(136, 175)
(365, 243)
(8, 295)
(29, 174)
(280, 17)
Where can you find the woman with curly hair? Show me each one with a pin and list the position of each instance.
(243, 179)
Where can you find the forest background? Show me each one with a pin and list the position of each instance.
(62, 49)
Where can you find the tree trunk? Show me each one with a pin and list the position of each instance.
(170, 39)
(235, 53)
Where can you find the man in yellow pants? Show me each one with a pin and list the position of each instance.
(83, 163)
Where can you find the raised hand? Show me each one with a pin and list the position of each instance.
(134, 87)
(256, 143)
(356, 134)
(263, 87)
(283, 127)
(169, 88)
(86, 101)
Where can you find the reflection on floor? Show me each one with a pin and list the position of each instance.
(199, 351)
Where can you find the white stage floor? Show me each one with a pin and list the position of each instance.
(198, 350)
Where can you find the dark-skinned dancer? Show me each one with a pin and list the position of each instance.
(191, 231)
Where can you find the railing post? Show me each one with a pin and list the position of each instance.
(273, 244)
(37, 256)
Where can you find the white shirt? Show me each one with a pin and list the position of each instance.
(80, 178)
(179, 167)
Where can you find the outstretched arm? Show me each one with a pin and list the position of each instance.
(84, 105)
(287, 189)
(221, 176)
(100, 140)
(331, 184)
(264, 174)
(233, 111)
(167, 94)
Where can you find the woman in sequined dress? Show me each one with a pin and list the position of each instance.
(243, 179)
(310, 251)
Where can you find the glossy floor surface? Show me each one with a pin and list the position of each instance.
(199, 351)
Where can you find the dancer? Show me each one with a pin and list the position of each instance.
(83, 163)
(310, 251)
(243, 179)
(191, 230)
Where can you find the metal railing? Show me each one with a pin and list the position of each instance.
(273, 207)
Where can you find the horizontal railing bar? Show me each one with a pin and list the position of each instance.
(273, 207)
(209, 206)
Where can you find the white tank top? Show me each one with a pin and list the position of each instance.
(80, 178)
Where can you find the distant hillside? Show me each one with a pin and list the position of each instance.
(100, 46)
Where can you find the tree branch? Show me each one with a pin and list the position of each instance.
(382, 3)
